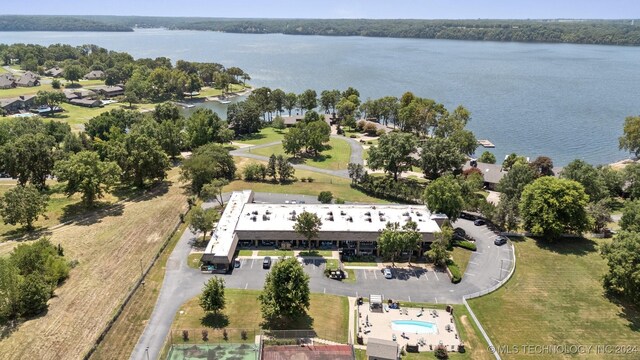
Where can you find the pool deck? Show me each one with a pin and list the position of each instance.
(380, 327)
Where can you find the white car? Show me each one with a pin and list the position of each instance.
(387, 273)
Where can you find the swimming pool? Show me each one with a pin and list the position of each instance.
(414, 326)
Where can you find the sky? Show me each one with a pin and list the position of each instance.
(375, 9)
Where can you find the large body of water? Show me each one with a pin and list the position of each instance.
(563, 101)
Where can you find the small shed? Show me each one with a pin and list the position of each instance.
(378, 349)
(375, 303)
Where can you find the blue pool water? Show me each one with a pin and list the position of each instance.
(414, 327)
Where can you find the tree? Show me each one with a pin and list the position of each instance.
(308, 226)
(600, 215)
(438, 252)
(73, 73)
(10, 284)
(143, 159)
(207, 163)
(254, 172)
(444, 196)
(513, 183)
(543, 166)
(212, 297)
(23, 205)
(293, 141)
(84, 172)
(356, 171)
(30, 158)
(285, 170)
(277, 98)
(34, 294)
(50, 99)
(325, 197)
(393, 153)
(507, 213)
(204, 126)
(439, 156)
(137, 88)
(613, 180)
(630, 220)
(278, 123)
(202, 220)
(550, 207)
(213, 190)
(244, 117)
(411, 238)
(487, 158)
(286, 293)
(631, 176)
(290, 102)
(308, 100)
(272, 167)
(623, 258)
(630, 140)
(329, 99)
(513, 159)
(390, 241)
(588, 176)
(41, 258)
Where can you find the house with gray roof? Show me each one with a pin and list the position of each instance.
(7, 81)
(17, 104)
(379, 349)
(55, 72)
(108, 91)
(28, 79)
(94, 75)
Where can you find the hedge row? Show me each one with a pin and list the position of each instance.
(456, 274)
(466, 245)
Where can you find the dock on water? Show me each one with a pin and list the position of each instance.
(486, 143)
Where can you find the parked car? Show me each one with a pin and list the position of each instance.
(467, 216)
(266, 263)
(387, 273)
(236, 263)
(479, 222)
(500, 240)
(459, 231)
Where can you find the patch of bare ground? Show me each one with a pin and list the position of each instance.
(110, 251)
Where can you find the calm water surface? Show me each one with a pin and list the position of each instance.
(563, 101)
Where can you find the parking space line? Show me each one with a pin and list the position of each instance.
(246, 286)
(409, 298)
(469, 274)
(252, 260)
(425, 276)
(437, 279)
(473, 262)
(436, 300)
(374, 274)
(365, 274)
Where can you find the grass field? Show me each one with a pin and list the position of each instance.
(245, 252)
(265, 136)
(340, 187)
(109, 249)
(125, 332)
(77, 116)
(335, 158)
(323, 253)
(461, 258)
(275, 253)
(193, 260)
(209, 91)
(328, 313)
(556, 297)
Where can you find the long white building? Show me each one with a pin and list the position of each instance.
(352, 228)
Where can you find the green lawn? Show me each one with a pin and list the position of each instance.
(2, 70)
(335, 158)
(17, 91)
(328, 317)
(275, 253)
(323, 253)
(193, 260)
(340, 187)
(556, 297)
(209, 91)
(265, 136)
(461, 258)
(245, 252)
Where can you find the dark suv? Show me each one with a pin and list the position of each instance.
(266, 263)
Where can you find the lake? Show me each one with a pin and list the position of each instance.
(559, 100)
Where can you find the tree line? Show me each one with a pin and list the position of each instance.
(55, 23)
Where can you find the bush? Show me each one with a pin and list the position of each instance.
(360, 125)
(185, 335)
(339, 201)
(466, 245)
(310, 179)
(205, 335)
(303, 179)
(353, 136)
(456, 274)
(325, 197)
(254, 172)
(380, 132)
(243, 334)
(370, 128)
(55, 83)
(441, 352)
(278, 123)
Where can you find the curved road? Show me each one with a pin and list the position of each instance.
(486, 267)
(356, 156)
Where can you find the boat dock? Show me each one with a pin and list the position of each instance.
(486, 143)
(184, 105)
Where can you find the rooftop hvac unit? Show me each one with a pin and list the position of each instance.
(255, 212)
(368, 213)
(349, 218)
(265, 218)
(268, 212)
(254, 218)
(343, 213)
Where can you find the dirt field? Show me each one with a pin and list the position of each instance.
(110, 250)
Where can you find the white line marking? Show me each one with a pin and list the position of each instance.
(365, 274)
(252, 260)
(436, 300)
(375, 275)
(469, 274)
(246, 286)
(473, 262)
(409, 298)
(325, 290)
(437, 279)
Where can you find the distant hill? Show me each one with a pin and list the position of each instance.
(603, 32)
(55, 23)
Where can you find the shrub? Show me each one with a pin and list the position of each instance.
(370, 128)
(225, 335)
(353, 136)
(441, 352)
(278, 123)
(466, 245)
(456, 274)
(55, 83)
(303, 179)
(185, 335)
(205, 335)
(325, 197)
(339, 201)
(360, 125)
(310, 179)
(255, 172)
(380, 132)
(243, 334)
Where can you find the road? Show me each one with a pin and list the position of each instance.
(181, 283)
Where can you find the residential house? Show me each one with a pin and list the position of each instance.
(71, 94)
(55, 72)
(86, 102)
(492, 173)
(379, 349)
(28, 79)
(7, 81)
(17, 104)
(94, 75)
(108, 91)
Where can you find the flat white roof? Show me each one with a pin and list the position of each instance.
(356, 218)
(222, 239)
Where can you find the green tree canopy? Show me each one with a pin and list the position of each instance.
(444, 195)
(587, 175)
(438, 253)
(74, 73)
(84, 172)
(325, 197)
(514, 182)
(286, 293)
(207, 163)
(393, 153)
(630, 220)
(308, 225)
(212, 297)
(204, 126)
(630, 140)
(550, 207)
(487, 157)
(51, 99)
(631, 176)
(22, 204)
(30, 158)
(213, 190)
(308, 100)
(440, 156)
(203, 220)
(623, 258)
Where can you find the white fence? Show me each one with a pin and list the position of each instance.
(485, 292)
